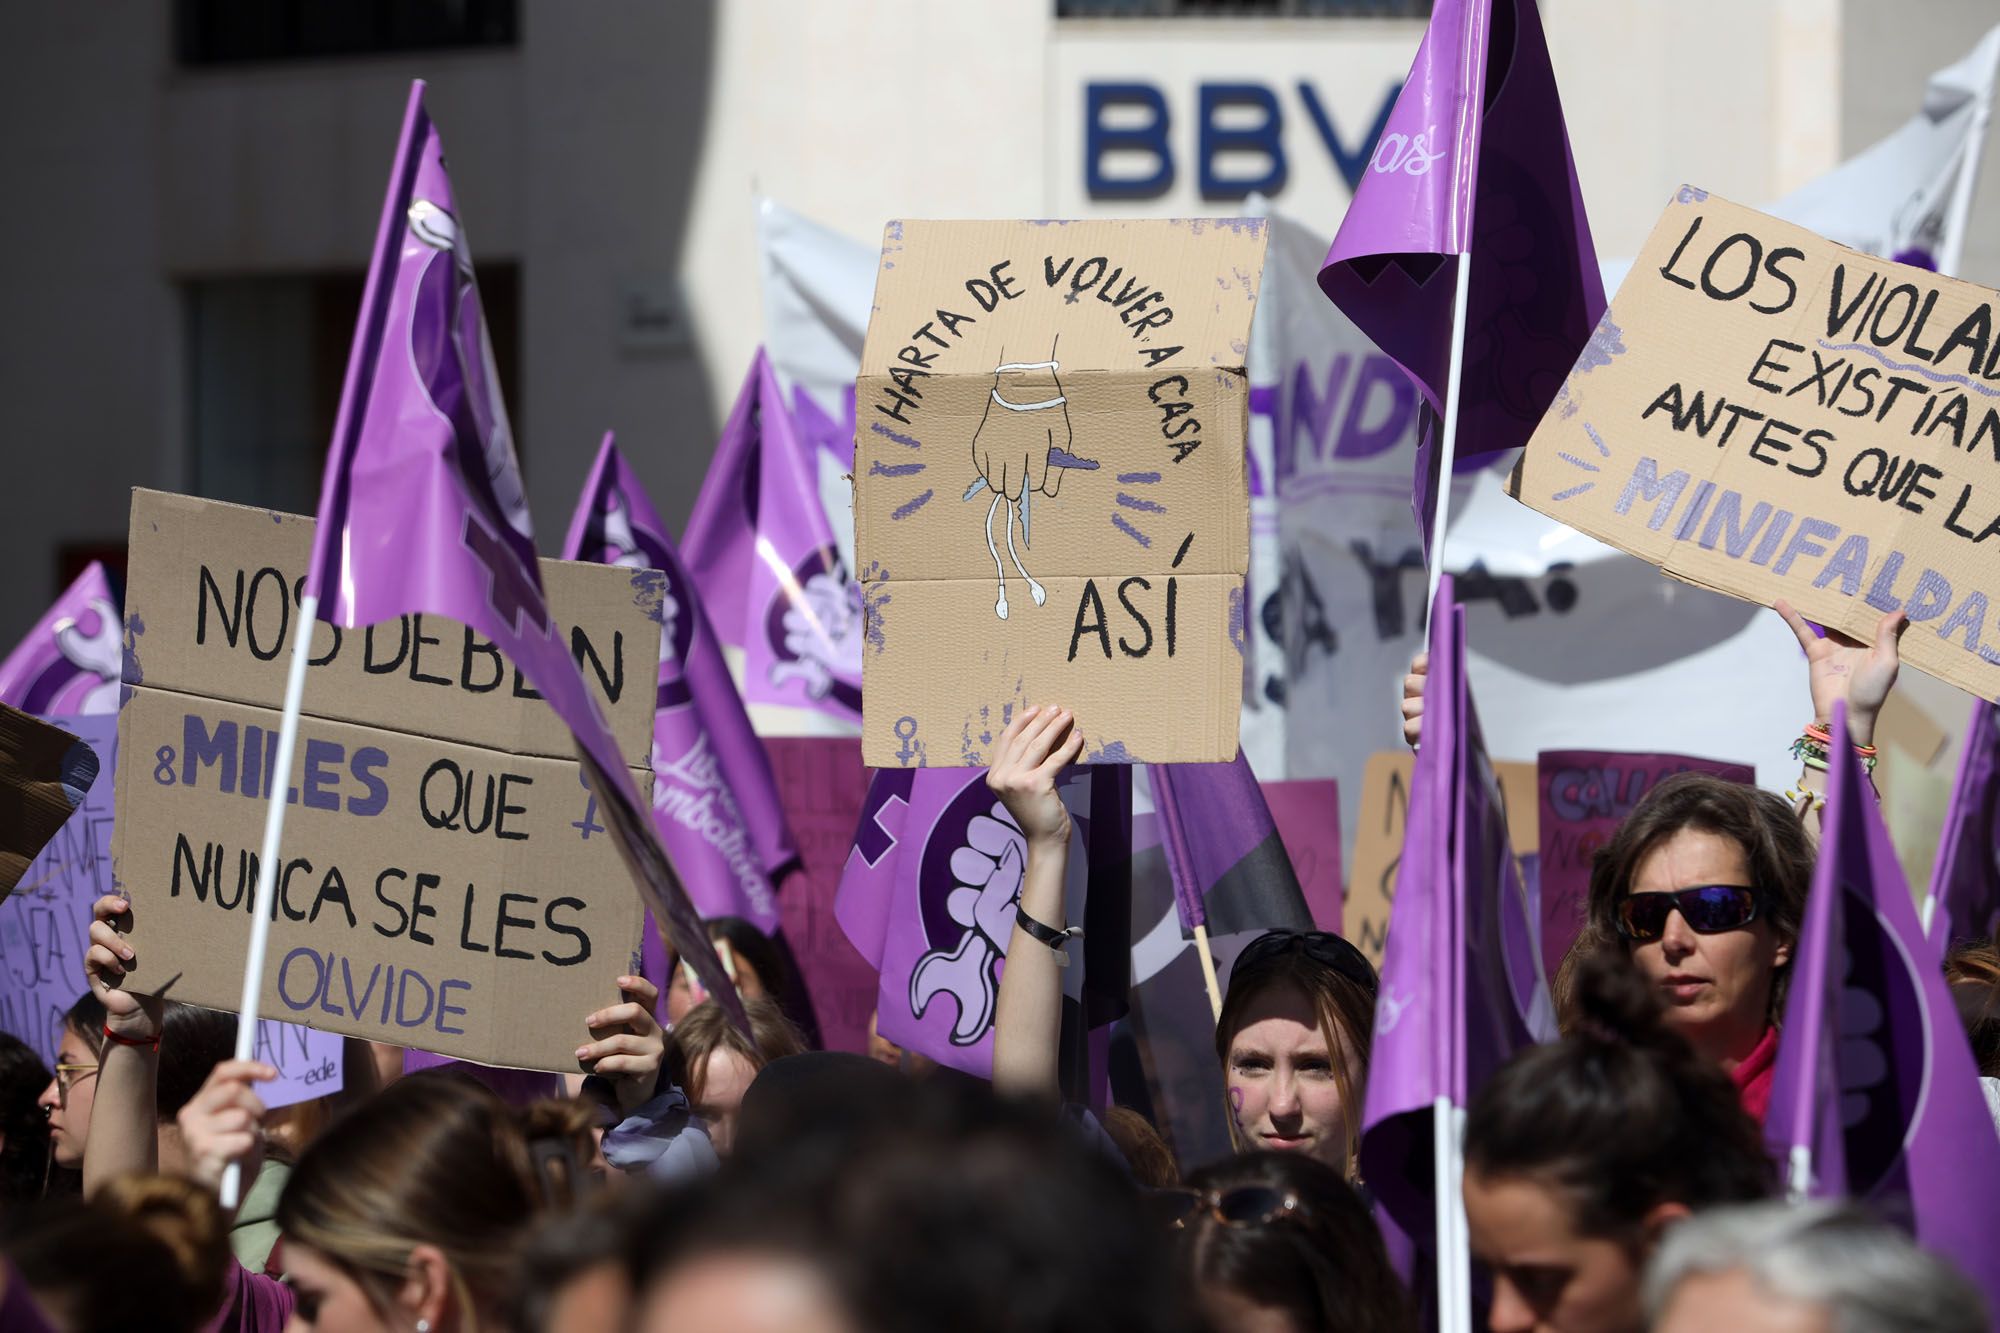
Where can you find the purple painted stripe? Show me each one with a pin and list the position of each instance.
(1064, 458)
(880, 469)
(1143, 506)
(1137, 478)
(1118, 521)
(881, 429)
(913, 506)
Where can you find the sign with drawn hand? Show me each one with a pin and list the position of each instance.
(1051, 503)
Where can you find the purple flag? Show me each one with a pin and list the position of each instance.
(1965, 880)
(759, 546)
(421, 508)
(713, 792)
(1462, 986)
(1229, 867)
(1875, 1096)
(1474, 160)
(69, 662)
(929, 892)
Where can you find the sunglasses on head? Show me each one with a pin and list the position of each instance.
(1243, 1206)
(1708, 909)
(1321, 946)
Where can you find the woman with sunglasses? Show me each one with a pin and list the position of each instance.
(1295, 1025)
(1704, 887)
(1280, 1243)
(1581, 1154)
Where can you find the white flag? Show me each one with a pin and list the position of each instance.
(1907, 196)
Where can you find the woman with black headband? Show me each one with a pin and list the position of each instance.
(1295, 1025)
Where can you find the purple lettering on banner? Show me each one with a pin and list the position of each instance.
(45, 922)
(1359, 440)
(1314, 411)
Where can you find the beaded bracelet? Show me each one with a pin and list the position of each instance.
(1795, 796)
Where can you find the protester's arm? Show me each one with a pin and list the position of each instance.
(1033, 750)
(1839, 668)
(626, 1045)
(224, 1123)
(1413, 699)
(124, 1121)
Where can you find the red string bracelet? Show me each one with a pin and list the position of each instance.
(151, 1045)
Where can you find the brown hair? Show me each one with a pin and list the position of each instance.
(1143, 1147)
(706, 1029)
(1973, 973)
(437, 1159)
(1346, 1012)
(1324, 1264)
(164, 1238)
(1619, 1116)
(1775, 847)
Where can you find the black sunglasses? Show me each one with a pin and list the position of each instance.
(1243, 1206)
(1321, 946)
(1708, 909)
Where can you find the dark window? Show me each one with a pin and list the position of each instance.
(266, 358)
(1156, 9)
(228, 32)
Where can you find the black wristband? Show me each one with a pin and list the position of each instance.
(1048, 935)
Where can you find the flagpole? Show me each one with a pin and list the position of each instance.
(1208, 970)
(1441, 511)
(1960, 212)
(267, 865)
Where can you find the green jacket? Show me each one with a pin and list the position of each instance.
(256, 1228)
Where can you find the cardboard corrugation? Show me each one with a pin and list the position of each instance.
(1845, 451)
(174, 539)
(438, 840)
(1133, 443)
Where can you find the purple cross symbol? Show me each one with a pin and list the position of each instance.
(510, 590)
(889, 794)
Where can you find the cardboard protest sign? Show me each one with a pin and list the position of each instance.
(45, 922)
(1378, 846)
(44, 774)
(1769, 414)
(45, 931)
(1050, 500)
(444, 886)
(1584, 795)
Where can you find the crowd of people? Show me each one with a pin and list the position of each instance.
(693, 1176)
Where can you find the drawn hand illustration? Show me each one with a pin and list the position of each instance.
(1020, 448)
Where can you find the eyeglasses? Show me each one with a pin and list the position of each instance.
(1708, 909)
(1242, 1206)
(67, 1077)
(1321, 946)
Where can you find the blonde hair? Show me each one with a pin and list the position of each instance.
(435, 1159)
(706, 1029)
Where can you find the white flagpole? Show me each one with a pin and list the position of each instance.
(1798, 1174)
(1960, 212)
(1441, 511)
(1454, 1276)
(267, 865)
